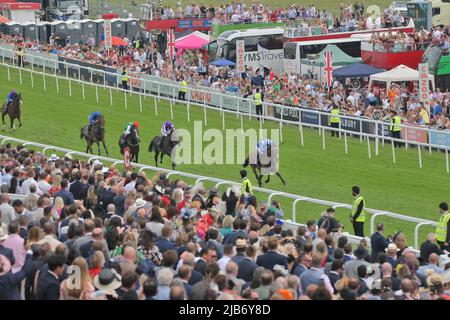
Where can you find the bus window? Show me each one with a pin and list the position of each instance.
(272, 42)
(353, 49)
(212, 50)
(311, 49)
(290, 50)
(436, 11)
(251, 44)
(229, 51)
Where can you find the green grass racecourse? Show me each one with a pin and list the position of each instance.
(56, 119)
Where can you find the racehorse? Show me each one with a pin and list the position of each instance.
(256, 164)
(166, 147)
(14, 111)
(132, 141)
(96, 133)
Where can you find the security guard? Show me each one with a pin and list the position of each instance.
(125, 78)
(443, 227)
(396, 130)
(246, 187)
(183, 90)
(19, 53)
(358, 213)
(334, 120)
(258, 97)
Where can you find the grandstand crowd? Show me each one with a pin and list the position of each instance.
(286, 89)
(87, 231)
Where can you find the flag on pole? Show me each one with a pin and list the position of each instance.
(171, 44)
(329, 69)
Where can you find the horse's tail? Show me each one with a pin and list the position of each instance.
(152, 145)
(247, 161)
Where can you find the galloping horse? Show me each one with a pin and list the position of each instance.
(166, 148)
(256, 164)
(132, 141)
(14, 111)
(96, 133)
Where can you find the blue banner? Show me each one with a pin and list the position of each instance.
(440, 137)
(194, 23)
(310, 117)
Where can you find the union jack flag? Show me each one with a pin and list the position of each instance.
(171, 44)
(328, 68)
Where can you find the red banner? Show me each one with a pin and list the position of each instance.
(201, 96)
(416, 135)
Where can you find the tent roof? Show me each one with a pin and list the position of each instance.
(3, 19)
(222, 62)
(195, 40)
(340, 58)
(444, 66)
(356, 70)
(399, 73)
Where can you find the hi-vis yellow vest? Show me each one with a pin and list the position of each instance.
(333, 118)
(258, 98)
(356, 202)
(125, 76)
(246, 184)
(184, 86)
(396, 121)
(441, 229)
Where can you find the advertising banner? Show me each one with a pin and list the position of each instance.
(107, 30)
(440, 137)
(411, 134)
(424, 85)
(240, 56)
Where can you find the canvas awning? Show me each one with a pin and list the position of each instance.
(356, 70)
(398, 74)
(340, 58)
(192, 41)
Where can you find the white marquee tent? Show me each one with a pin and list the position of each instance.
(399, 73)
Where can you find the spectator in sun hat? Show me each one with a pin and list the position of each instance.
(351, 267)
(53, 157)
(391, 251)
(107, 282)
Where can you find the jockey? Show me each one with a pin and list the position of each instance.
(166, 128)
(10, 98)
(263, 145)
(128, 128)
(93, 117)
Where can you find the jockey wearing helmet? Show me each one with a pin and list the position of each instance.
(93, 117)
(166, 129)
(263, 146)
(128, 128)
(10, 98)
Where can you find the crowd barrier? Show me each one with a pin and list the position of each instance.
(270, 193)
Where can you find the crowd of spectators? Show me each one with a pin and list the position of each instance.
(87, 231)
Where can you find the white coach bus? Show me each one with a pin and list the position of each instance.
(263, 47)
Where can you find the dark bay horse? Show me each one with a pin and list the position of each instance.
(132, 141)
(94, 134)
(167, 146)
(266, 164)
(14, 111)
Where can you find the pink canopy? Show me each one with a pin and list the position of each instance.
(190, 42)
